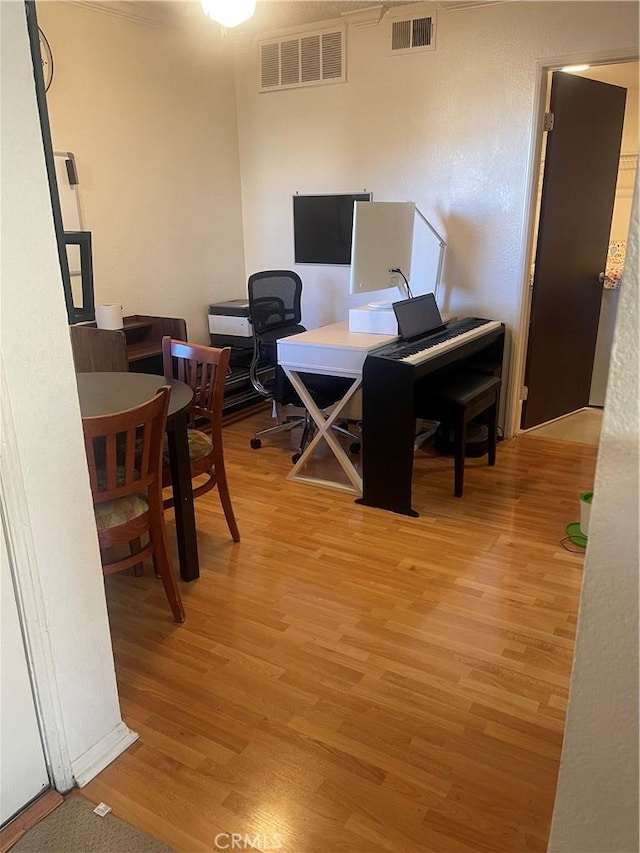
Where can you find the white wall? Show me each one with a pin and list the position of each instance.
(450, 129)
(597, 799)
(44, 479)
(23, 770)
(150, 115)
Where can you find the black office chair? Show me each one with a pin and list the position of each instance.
(274, 313)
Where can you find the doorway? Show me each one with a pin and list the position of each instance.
(588, 402)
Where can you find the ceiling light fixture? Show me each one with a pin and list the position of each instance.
(570, 69)
(229, 13)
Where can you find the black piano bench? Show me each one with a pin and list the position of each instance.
(457, 400)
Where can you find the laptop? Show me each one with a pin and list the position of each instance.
(418, 317)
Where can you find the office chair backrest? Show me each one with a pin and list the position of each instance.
(274, 300)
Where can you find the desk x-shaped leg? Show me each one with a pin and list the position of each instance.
(324, 425)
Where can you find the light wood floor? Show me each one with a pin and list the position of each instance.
(582, 426)
(353, 680)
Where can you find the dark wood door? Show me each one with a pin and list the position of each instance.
(578, 192)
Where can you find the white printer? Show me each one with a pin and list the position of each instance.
(229, 324)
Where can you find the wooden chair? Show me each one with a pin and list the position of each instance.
(456, 399)
(124, 454)
(204, 369)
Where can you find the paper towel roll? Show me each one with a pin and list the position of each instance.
(109, 316)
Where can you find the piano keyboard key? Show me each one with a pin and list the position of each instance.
(456, 335)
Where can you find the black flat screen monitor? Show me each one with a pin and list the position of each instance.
(322, 226)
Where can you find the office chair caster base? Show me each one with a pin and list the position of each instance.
(355, 447)
(255, 443)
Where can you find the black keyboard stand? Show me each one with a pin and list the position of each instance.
(391, 392)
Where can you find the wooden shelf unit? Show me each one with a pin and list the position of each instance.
(137, 346)
(144, 335)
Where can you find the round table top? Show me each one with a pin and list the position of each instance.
(106, 393)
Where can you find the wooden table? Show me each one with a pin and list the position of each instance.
(105, 393)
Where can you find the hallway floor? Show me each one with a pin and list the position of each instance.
(582, 427)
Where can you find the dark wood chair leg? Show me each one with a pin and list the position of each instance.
(492, 424)
(459, 452)
(219, 475)
(225, 500)
(135, 547)
(163, 568)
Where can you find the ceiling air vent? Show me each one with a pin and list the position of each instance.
(413, 34)
(309, 59)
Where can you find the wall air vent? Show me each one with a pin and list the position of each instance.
(413, 34)
(307, 59)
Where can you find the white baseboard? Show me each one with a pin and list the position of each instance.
(102, 754)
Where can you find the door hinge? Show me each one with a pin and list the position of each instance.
(524, 392)
(548, 122)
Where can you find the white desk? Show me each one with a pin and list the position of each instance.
(331, 351)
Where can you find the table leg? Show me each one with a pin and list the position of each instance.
(324, 432)
(183, 497)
